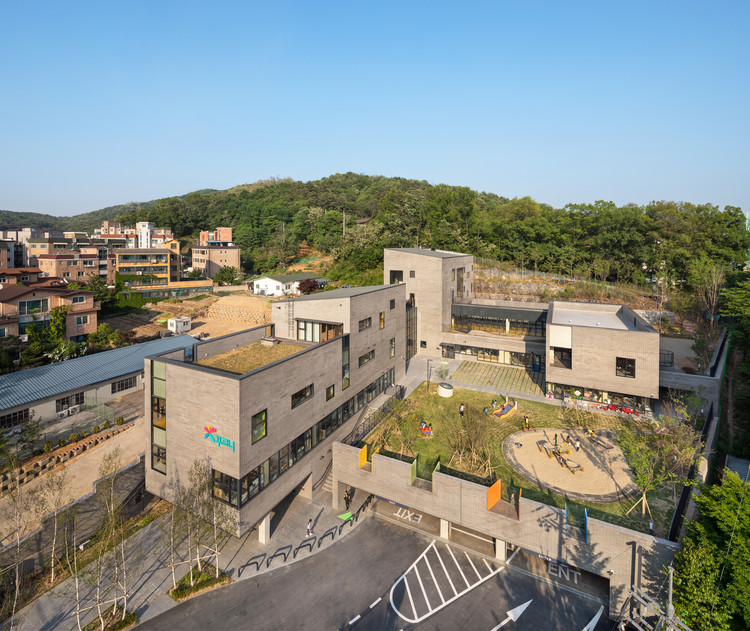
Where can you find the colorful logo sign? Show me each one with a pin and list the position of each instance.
(219, 440)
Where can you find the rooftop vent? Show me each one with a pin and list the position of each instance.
(270, 341)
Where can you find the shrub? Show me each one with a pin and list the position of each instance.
(62, 442)
(107, 424)
(83, 433)
(48, 446)
(73, 438)
(96, 429)
(120, 420)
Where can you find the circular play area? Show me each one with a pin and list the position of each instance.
(582, 466)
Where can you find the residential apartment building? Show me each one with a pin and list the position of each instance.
(218, 237)
(74, 267)
(209, 259)
(266, 427)
(21, 305)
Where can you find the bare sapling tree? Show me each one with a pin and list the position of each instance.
(55, 496)
(71, 561)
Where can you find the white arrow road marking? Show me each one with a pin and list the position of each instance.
(590, 626)
(413, 571)
(514, 614)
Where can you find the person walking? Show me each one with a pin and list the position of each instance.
(309, 528)
(347, 499)
(578, 444)
(461, 410)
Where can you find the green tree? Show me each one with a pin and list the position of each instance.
(57, 325)
(102, 293)
(713, 566)
(227, 276)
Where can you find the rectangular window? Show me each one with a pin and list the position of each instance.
(65, 402)
(453, 274)
(27, 307)
(330, 391)
(158, 458)
(2, 333)
(392, 349)
(422, 344)
(78, 299)
(124, 384)
(345, 363)
(80, 320)
(382, 320)
(225, 488)
(365, 324)
(14, 418)
(562, 357)
(369, 356)
(66, 274)
(158, 417)
(298, 398)
(411, 273)
(625, 367)
(259, 426)
(393, 304)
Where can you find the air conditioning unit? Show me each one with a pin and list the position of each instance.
(24, 338)
(139, 273)
(62, 414)
(73, 409)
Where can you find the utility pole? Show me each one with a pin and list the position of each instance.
(647, 615)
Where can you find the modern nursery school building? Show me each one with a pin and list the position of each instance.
(257, 403)
(598, 354)
(264, 406)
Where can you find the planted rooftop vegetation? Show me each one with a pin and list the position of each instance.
(250, 357)
(474, 450)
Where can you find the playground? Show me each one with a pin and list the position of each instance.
(595, 471)
(529, 445)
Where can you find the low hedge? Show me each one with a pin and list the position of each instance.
(203, 581)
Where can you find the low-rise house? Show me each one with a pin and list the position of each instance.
(21, 305)
(282, 284)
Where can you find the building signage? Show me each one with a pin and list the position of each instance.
(215, 438)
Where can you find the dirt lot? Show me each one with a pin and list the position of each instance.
(212, 315)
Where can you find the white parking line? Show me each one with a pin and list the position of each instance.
(448, 576)
(489, 567)
(440, 592)
(413, 567)
(353, 620)
(458, 566)
(424, 592)
(408, 593)
(376, 602)
(468, 558)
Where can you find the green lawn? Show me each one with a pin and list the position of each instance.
(434, 410)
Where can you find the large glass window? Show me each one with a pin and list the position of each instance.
(345, 363)
(392, 348)
(225, 488)
(382, 319)
(26, 307)
(14, 418)
(625, 367)
(317, 331)
(124, 384)
(299, 397)
(158, 417)
(562, 357)
(259, 426)
(65, 402)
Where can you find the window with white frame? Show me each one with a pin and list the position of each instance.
(81, 320)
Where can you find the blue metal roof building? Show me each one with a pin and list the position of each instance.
(44, 382)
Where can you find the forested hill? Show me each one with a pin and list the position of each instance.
(272, 218)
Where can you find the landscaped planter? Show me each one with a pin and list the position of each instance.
(445, 390)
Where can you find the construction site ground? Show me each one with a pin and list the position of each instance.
(211, 315)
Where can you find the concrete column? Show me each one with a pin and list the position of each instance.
(444, 529)
(500, 550)
(264, 529)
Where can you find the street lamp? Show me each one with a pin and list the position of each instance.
(428, 374)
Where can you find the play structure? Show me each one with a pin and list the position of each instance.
(425, 429)
(510, 406)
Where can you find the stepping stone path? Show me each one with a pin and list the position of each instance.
(504, 379)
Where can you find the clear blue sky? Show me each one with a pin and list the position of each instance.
(108, 102)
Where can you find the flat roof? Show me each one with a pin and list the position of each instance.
(601, 319)
(250, 357)
(43, 382)
(440, 254)
(342, 292)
